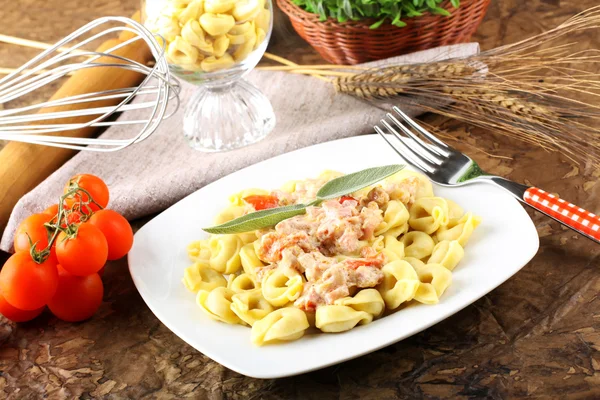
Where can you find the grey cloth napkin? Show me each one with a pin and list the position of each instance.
(150, 176)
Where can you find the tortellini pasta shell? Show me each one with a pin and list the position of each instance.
(201, 277)
(250, 306)
(284, 324)
(220, 45)
(224, 253)
(427, 214)
(399, 285)
(459, 230)
(414, 262)
(435, 279)
(395, 216)
(218, 6)
(216, 24)
(180, 52)
(289, 187)
(193, 34)
(211, 64)
(243, 283)
(417, 244)
(217, 304)
(447, 253)
(393, 249)
(192, 11)
(249, 259)
(367, 300)
(280, 289)
(245, 10)
(238, 34)
(199, 250)
(245, 48)
(337, 318)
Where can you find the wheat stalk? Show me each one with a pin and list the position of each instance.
(539, 90)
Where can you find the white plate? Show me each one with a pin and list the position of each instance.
(504, 242)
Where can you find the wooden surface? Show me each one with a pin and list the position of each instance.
(536, 336)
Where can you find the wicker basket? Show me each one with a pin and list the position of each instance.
(353, 42)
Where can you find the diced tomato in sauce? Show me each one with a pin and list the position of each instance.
(262, 202)
(344, 198)
(354, 263)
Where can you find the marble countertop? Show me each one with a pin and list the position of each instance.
(537, 335)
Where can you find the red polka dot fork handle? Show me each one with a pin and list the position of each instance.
(566, 213)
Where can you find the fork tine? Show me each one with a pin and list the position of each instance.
(406, 154)
(413, 158)
(420, 129)
(416, 144)
(407, 142)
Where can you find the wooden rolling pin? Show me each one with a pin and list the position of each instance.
(23, 166)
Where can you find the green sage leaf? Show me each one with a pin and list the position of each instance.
(350, 183)
(335, 188)
(258, 220)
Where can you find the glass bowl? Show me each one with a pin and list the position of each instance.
(213, 44)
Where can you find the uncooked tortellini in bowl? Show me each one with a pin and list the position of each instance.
(208, 36)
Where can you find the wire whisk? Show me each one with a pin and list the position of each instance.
(38, 124)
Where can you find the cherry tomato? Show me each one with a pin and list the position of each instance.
(84, 253)
(117, 231)
(74, 217)
(15, 314)
(344, 198)
(27, 285)
(32, 227)
(262, 202)
(77, 297)
(94, 185)
(52, 210)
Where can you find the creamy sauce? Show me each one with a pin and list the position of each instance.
(330, 243)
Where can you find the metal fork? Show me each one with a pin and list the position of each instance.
(447, 166)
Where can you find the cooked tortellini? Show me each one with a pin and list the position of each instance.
(199, 250)
(459, 229)
(447, 253)
(367, 300)
(353, 260)
(393, 249)
(435, 279)
(243, 283)
(250, 306)
(210, 35)
(284, 324)
(417, 244)
(395, 219)
(225, 253)
(400, 283)
(249, 259)
(201, 277)
(280, 289)
(337, 318)
(428, 214)
(217, 304)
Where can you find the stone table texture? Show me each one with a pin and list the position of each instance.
(536, 336)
